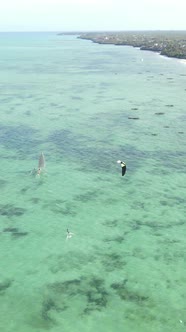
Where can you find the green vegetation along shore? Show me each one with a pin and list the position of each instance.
(168, 43)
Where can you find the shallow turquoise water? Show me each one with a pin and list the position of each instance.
(86, 106)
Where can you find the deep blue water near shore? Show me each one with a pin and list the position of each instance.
(86, 106)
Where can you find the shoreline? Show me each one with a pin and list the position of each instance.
(171, 44)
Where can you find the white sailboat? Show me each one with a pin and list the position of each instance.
(41, 164)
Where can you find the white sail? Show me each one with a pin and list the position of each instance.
(41, 163)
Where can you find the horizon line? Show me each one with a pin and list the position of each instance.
(84, 31)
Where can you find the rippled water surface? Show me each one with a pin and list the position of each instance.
(85, 106)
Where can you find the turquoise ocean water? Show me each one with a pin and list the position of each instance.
(86, 106)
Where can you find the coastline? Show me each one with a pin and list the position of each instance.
(183, 61)
(171, 44)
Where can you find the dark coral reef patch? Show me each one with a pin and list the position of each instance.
(64, 208)
(15, 232)
(113, 261)
(127, 294)
(19, 138)
(4, 285)
(61, 294)
(9, 210)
